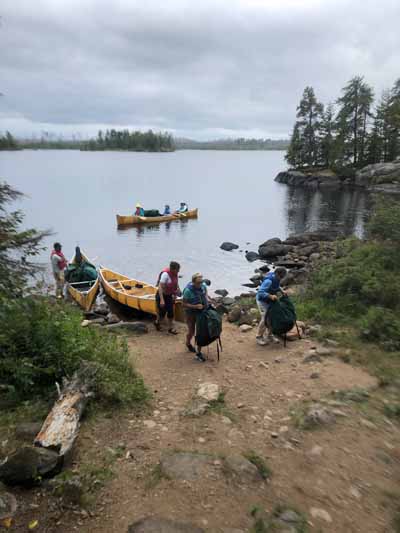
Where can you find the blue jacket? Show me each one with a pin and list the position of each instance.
(270, 285)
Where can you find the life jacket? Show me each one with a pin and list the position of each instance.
(171, 286)
(199, 294)
(63, 263)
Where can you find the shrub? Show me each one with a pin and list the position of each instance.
(383, 326)
(42, 341)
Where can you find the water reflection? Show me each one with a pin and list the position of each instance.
(143, 229)
(345, 211)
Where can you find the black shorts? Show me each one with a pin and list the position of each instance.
(168, 308)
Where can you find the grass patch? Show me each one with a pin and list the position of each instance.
(259, 463)
(155, 477)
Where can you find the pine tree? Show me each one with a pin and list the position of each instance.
(378, 140)
(327, 137)
(304, 149)
(393, 120)
(352, 121)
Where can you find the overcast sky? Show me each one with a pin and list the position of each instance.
(198, 68)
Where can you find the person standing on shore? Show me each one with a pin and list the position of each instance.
(195, 300)
(168, 290)
(58, 264)
(266, 294)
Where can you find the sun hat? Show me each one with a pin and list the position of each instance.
(138, 205)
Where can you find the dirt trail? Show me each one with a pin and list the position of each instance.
(348, 469)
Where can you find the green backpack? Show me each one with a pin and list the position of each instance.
(209, 328)
(282, 316)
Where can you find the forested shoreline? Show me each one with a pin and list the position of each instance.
(352, 132)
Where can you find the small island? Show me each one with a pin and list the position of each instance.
(348, 143)
(131, 141)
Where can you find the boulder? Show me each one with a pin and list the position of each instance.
(229, 246)
(208, 391)
(256, 279)
(101, 308)
(234, 313)
(318, 415)
(221, 309)
(246, 319)
(378, 173)
(274, 240)
(112, 318)
(309, 249)
(27, 465)
(268, 251)
(228, 301)
(8, 504)
(134, 327)
(264, 269)
(241, 469)
(162, 525)
(311, 236)
(244, 328)
(252, 256)
(222, 292)
(187, 466)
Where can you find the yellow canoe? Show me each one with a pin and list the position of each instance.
(132, 219)
(84, 292)
(133, 293)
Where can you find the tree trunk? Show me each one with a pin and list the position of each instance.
(61, 426)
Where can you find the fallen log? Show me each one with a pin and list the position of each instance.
(61, 426)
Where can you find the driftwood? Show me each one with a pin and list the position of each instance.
(61, 426)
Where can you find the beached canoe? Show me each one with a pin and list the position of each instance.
(133, 293)
(84, 292)
(132, 219)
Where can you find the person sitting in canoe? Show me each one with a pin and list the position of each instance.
(59, 264)
(139, 211)
(183, 208)
(167, 210)
(168, 290)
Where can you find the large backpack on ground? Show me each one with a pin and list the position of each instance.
(209, 328)
(281, 316)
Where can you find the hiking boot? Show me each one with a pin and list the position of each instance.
(273, 339)
(200, 357)
(261, 342)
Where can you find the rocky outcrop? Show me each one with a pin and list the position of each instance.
(381, 176)
(229, 246)
(313, 180)
(384, 177)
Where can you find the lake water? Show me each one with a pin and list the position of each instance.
(77, 195)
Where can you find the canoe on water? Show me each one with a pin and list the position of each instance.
(132, 219)
(84, 292)
(133, 293)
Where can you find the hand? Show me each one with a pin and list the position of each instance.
(162, 303)
(199, 307)
(284, 293)
(273, 298)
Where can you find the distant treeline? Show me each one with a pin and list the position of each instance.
(7, 142)
(135, 141)
(232, 144)
(351, 132)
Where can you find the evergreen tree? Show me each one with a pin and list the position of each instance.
(352, 121)
(327, 137)
(304, 149)
(393, 120)
(378, 141)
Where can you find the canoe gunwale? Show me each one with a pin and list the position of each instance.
(132, 220)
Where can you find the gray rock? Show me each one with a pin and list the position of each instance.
(290, 516)
(27, 465)
(318, 415)
(312, 358)
(197, 407)
(229, 246)
(234, 314)
(303, 238)
(309, 249)
(187, 466)
(134, 327)
(228, 300)
(241, 469)
(28, 431)
(256, 280)
(314, 375)
(222, 292)
(252, 256)
(8, 504)
(70, 490)
(208, 391)
(274, 240)
(112, 318)
(383, 172)
(101, 308)
(246, 319)
(162, 525)
(244, 328)
(324, 352)
(97, 321)
(269, 251)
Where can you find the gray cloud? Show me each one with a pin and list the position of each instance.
(206, 69)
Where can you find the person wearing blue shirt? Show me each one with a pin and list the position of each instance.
(266, 294)
(167, 210)
(139, 211)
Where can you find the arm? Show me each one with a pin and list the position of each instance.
(161, 293)
(263, 291)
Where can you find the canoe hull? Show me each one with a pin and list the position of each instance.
(131, 219)
(84, 294)
(84, 299)
(133, 293)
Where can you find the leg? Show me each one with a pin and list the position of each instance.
(191, 325)
(161, 311)
(59, 284)
(262, 307)
(169, 306)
